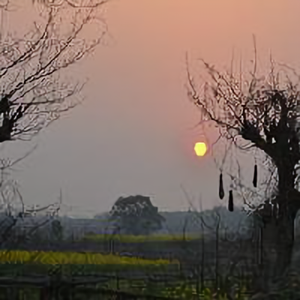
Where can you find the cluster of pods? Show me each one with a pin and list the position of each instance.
(230, 199)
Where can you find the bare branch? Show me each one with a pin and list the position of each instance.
(259, 112)
(34, 93)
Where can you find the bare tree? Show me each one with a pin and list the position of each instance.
(70, 3)
(19, 222)
(35, 91)
(264, 112)
(34, 87)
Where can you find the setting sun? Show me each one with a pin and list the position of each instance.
(200, 148)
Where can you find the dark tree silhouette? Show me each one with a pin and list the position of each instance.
(265, 113)
(35, 91)
(71, 3)
(136, 215)
(19, 223)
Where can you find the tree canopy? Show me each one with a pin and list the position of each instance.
(136, 215)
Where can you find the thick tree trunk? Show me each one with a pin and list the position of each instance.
(277, 238)
(277, 247)
(285, 179)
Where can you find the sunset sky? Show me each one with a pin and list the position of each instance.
(133, 135)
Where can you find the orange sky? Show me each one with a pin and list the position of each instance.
(132, 135)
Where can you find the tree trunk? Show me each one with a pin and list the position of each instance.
(277, 249)
(277, 238)
(277, 231)
(286, 177)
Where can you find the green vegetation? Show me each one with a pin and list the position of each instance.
(124, 238)
(73, 258)
(70, 264)
(177, 289)
(136, 215)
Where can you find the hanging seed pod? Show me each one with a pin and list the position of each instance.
(221, 188)
(255, 176)
(230, 201)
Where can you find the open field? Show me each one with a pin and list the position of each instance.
(89, 276)
(141, 238)
(131, 275)
(61, 258)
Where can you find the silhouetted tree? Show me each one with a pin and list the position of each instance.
(35, 91)
(71, 3)
(136, 215)
(18, 223)
(265, 113)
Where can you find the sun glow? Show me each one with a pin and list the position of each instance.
(200, 149)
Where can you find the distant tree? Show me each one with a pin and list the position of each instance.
(136, 215)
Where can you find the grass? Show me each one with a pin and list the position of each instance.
(62, 258)
(181, 289)
(24, 263)
(139, 238)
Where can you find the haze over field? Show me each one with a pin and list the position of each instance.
(133, 134)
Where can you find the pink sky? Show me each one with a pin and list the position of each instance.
(132, 135)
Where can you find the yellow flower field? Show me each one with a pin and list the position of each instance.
(139, 238)
(62, 258)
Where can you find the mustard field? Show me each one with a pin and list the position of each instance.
(74, 258)
(140, 238)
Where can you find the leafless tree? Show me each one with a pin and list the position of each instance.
(34, 87)
(35, 90)
(216, 233)
(264, 113)
(71, 3)
(18, 222)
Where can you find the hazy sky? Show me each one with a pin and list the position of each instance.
(132, 135)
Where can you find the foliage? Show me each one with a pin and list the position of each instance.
(140, 238)
(49, 257)
(177, 289)
(135, 215)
